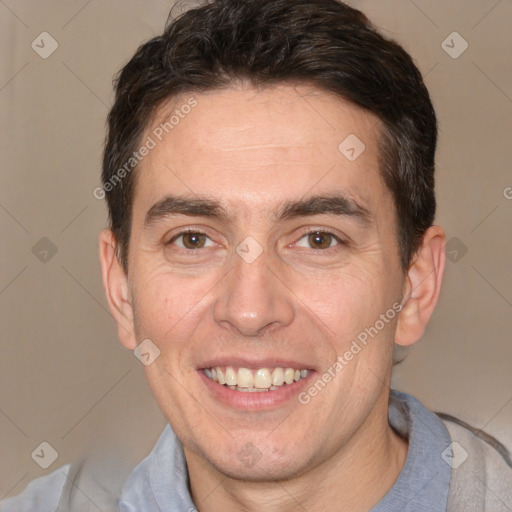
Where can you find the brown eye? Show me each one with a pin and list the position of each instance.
(194, 240)
(319, 240)
(191, 240)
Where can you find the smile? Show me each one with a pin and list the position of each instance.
(258, 380)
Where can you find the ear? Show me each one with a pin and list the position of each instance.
(422, 287)
(115, 282)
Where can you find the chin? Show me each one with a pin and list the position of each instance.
(248, 463)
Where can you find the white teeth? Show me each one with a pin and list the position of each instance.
(256, 390)
(278, 377)
(288, 375)
(220, 376)
(230, 376)
(245, 378)
(263, 379)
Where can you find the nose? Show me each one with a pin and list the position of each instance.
(253, 299)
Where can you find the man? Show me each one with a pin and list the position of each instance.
(269, 173)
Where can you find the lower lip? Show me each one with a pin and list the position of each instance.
(254, 401)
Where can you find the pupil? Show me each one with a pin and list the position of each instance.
(193, 240)
(321, 240)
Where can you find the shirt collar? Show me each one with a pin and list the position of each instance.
(424, 482)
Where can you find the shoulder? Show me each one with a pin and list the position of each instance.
(76, 486)
(114, 485)
(481, 469)
(156, 479)
(42, 494)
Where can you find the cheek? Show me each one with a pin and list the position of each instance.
(343, 299)
(347, 307)
(165, 305)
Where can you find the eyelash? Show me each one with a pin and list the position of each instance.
(307, 233)
(324, 232)
(185, 232)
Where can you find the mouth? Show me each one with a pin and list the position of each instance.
(255, 389)
(255, 380)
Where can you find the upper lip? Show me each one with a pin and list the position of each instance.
(254, 363)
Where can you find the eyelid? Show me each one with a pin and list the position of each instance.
(340, 239)
(184, 231)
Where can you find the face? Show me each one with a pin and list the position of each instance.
(261, 249)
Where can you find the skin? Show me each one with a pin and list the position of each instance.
(250, 151)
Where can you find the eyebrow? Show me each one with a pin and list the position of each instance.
(183, 205)
(330, 204)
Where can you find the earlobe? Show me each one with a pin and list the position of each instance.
(422, 287)
(115, 283)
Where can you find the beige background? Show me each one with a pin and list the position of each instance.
(65, 379)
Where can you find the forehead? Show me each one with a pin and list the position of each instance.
(250, 148)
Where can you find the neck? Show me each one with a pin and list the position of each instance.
(354, 478)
